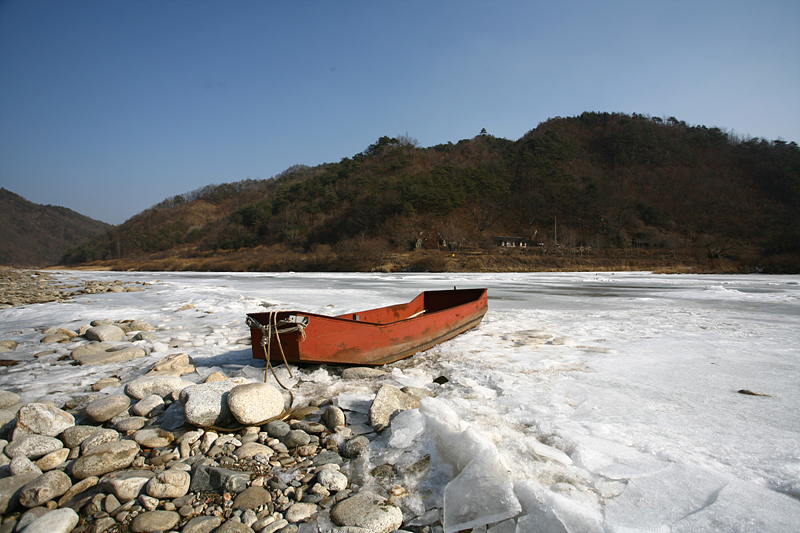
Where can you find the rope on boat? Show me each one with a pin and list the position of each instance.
(275, 329)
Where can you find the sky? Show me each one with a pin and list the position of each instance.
(109, 107)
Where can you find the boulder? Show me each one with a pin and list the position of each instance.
(107, 332)
(105, 458)
(42, 419)
(369, 511)
(255, 403)
(44, 488)
(107, 408)
(7, 399)
(389, 401)
(206, 404)
(58, 521)
(161, 386)
(32, 446)
(169, 484)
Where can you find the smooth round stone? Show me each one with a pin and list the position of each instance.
(132, 423)
(362, 372)
(154, 521)
(53, 459)
(161, 386)
(32, 446)
(249, 449)
(367, 510)
(105, 458)
(296, 438)
(22, 465)
(169, 484)
(42, 419)
(202, 524)
(58, 521)
(332, 480)
(107, 408)
(128, 484)
(301, 511)
(101, 436)
(75, 435)
(153, 437)
(254, 403)
(355, 447)
(144, 406)
(333, 417)
(277, 429)
(206, 404)
(54, 338)
(44, 488)
(106, 332)
(252, 498)
(7, 399)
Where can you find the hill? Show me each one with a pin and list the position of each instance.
(38, 235)
(595, 190)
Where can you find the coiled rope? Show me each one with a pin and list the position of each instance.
(273, 328)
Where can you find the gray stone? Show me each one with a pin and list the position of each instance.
(107, 408)
(254, 403)
(132, 423)
(355, 447)
(72, 437)
(277, 429)
(332, 480)
(143, 336)
(333, 417)
(10, 488)
(389, 401)
(252, 498)
(140, 325)
(91, 348)
(22, 465)
(106, 332)
(153, 437)
(106, 382)
(128, 484)
(76, 489)
(154, 521)
(105, 458)
(326, 457)
(58, 521)
(30, 516)
(116, 355)
(101, 436)
(44, 488)
(202, 524)
(53, 460)
(250, 449)
(206, 404)
(216, 479)
(42, 419)
(169, 484)
(367, 510)
(295, 438)
(300, 512)
(161, 386)
(7, 399)
(81, 401)
(362, 372)
(147, 404)
(32, 446)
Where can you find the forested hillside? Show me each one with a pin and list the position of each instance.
(593, 184)
(38, 235)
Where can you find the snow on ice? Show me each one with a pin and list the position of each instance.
(583, 402)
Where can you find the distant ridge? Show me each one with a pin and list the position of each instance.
(36, 235)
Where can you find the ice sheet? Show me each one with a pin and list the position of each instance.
(606, 392)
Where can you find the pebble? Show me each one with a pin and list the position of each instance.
(105, 409)
(58, 521)
(154, 521)
(42, 419)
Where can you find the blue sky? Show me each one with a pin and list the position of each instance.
(108, 107)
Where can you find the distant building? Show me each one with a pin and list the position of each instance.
(511, 242)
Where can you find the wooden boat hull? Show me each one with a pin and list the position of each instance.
(377, 336)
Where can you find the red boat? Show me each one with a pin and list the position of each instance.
(373, 337)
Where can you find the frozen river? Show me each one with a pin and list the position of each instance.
(598, 402)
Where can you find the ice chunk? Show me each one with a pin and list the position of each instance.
(360, 403)
(481, 494)
(545, 452)
(547, 511)
(406, 426)
(411, 378)
(506, 526)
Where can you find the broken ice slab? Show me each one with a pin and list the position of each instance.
(359, 403)
(406, 426)
(547, 511)
(481, 494)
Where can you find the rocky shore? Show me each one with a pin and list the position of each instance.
(23, 287)
(171, 452)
